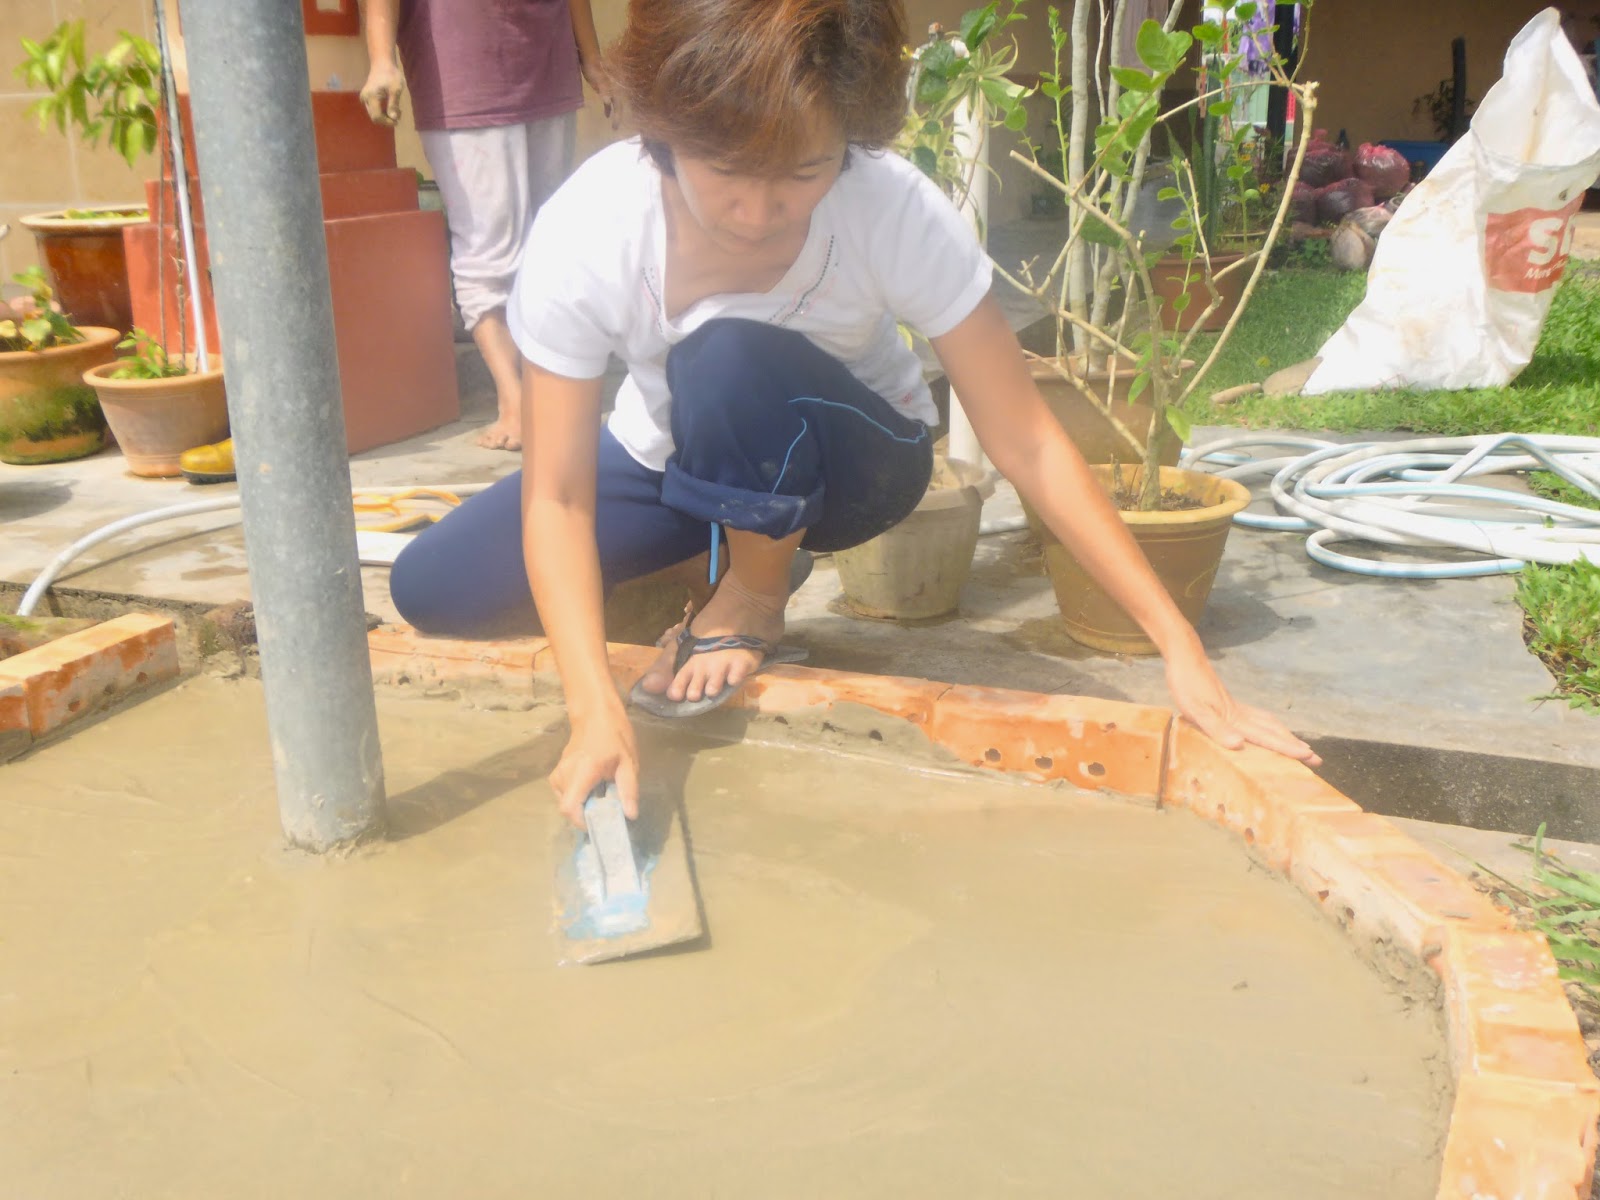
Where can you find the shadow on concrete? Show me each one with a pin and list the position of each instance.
(1238, 617)
(19, 501)
(458, 791)
(1461, 787)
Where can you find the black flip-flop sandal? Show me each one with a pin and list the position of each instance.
(659, 704)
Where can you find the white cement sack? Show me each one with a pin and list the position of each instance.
(1464, 274)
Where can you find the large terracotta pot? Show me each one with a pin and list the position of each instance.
(156, 420)
(1096, 438)
(1184, 548)
(1168, 279)
(47, 412)
(84, 260)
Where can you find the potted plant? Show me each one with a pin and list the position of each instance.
(159, 405)
(1232, 202)
(47, 413)
(959, 90)
(113, 94)
(917, 569)
(1109, 313)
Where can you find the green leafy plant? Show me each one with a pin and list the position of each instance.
(112, 94)
(36, 324)
(146, 358)
(1106, 116)
(967, 70)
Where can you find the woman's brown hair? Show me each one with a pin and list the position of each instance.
(744, 82)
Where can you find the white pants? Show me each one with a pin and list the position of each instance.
(492, 182)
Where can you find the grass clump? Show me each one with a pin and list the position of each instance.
(1561, 624)
(1562, 903)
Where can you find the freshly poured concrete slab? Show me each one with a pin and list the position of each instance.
(916, 982)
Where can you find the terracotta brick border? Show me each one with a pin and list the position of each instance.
(63, 681)
(1526, 1103)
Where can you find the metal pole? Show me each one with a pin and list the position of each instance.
(269, 261)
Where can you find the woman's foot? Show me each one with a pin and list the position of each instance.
(733, 610)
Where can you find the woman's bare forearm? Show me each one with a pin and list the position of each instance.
(561, 419)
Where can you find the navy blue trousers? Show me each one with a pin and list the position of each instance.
(773, 436)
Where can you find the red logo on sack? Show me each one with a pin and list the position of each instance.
(1526, 251)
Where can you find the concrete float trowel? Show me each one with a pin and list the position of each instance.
(623, 887)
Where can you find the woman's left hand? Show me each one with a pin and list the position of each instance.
(1201, 698)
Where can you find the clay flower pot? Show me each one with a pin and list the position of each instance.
(156, 420)
(1167, 277)
(917, 569)
(84, 258)
(1184, 548)
(47, 412)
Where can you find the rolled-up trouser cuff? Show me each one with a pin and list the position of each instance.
(770, 515)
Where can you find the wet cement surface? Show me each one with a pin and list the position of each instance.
(914, 984)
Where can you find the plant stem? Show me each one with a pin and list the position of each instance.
(1306, 100)
(1075, 283)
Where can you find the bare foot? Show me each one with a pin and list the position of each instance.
(734, 609)
(504, 434)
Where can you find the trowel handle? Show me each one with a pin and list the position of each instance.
(607, 825)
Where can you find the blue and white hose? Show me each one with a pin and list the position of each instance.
(1411, 494)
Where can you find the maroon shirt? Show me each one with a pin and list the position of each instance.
(476, 63)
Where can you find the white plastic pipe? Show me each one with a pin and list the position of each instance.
(1410, 493)
(53, 568)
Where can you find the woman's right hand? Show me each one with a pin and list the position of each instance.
(601, 748)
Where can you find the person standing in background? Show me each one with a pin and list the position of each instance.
(495, 87)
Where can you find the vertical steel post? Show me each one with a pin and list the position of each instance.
(269, 265)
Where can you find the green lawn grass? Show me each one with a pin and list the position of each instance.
(1294, 312)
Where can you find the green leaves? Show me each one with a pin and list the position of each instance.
(148, 358)
(1179, 422)
(978, 24)
(114, 94)
(946, 79)
(40, 326)
(1159, 50)
(1098, 233)
(1133, 79)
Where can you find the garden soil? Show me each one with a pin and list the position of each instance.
(915, 983)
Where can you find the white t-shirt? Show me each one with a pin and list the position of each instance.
(885, 245)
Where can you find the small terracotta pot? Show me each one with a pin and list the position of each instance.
(47, 412)
(156, 420)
